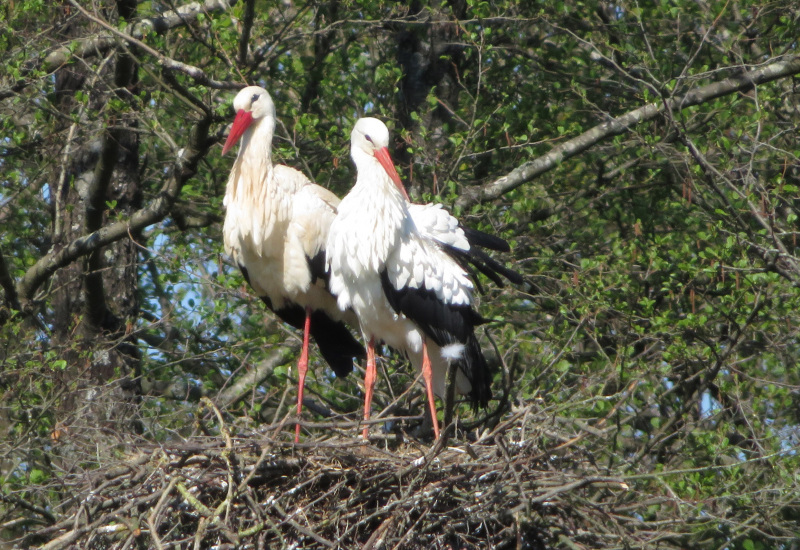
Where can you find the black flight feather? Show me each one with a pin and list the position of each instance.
(485, 240)
(480, 260)
(445, 324)
(316, 266)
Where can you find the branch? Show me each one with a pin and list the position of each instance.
(187, 216)
(167, 62)
(97, 189)
(621, 124)
(247, 26)
(97, 46)
(243, 385)
(184, 168)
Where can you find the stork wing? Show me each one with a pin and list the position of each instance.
(463, 243)
(426, 285)
(429, 287)
(433, 221)
(313, 211)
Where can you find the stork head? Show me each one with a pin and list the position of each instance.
(251, 104)
(371, 136)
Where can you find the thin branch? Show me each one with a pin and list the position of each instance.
(621, 124)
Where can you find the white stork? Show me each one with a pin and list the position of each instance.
(276, 226)
(403, 269)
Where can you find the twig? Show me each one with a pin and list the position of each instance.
(155, 513)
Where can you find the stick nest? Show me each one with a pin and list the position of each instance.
(255, 490)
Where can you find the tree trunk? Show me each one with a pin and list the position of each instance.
(95, 301)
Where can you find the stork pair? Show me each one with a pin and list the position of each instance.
(397, 270)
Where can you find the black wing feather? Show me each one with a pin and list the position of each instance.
(476, 259)
(316, 266)
(445, 324)
(485, 240)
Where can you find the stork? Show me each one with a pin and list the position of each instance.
(276, 226)
(406, 280)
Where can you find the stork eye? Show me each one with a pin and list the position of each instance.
(369, 139)
(254, 98)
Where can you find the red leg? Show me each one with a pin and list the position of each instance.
(302, 368)
(427, 375)
(369, 384)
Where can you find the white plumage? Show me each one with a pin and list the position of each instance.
(388, 263)
(276, 226)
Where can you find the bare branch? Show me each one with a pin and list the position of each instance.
(247, 27)
(167, 62)
(280, 356)
(621, 124)
(98, 45)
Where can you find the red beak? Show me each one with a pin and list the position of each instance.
(386, 161)
(241, 123)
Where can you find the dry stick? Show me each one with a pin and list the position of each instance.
(264, 452)
(623, 123)
(449, 400)
(68, 538)
(226, 456)
(501, 444)
(209, 516)
(348, 424)
(503, 426)
(577, 484)
(410, 530)
(30, 507)
(380, 419)
(155, 513)
(305, 530)
(376, 540)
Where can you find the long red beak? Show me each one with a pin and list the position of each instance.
(241, 123)
(386, 161)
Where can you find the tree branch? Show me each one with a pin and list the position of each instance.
(621, 124)
(244, 384)
(184, 168)
(167, 62)
(91, 47)
(247, 27)
(187, 216)
(97, 189)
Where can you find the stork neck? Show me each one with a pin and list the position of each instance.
(252, 169)
(256, 144)
(373, 179)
